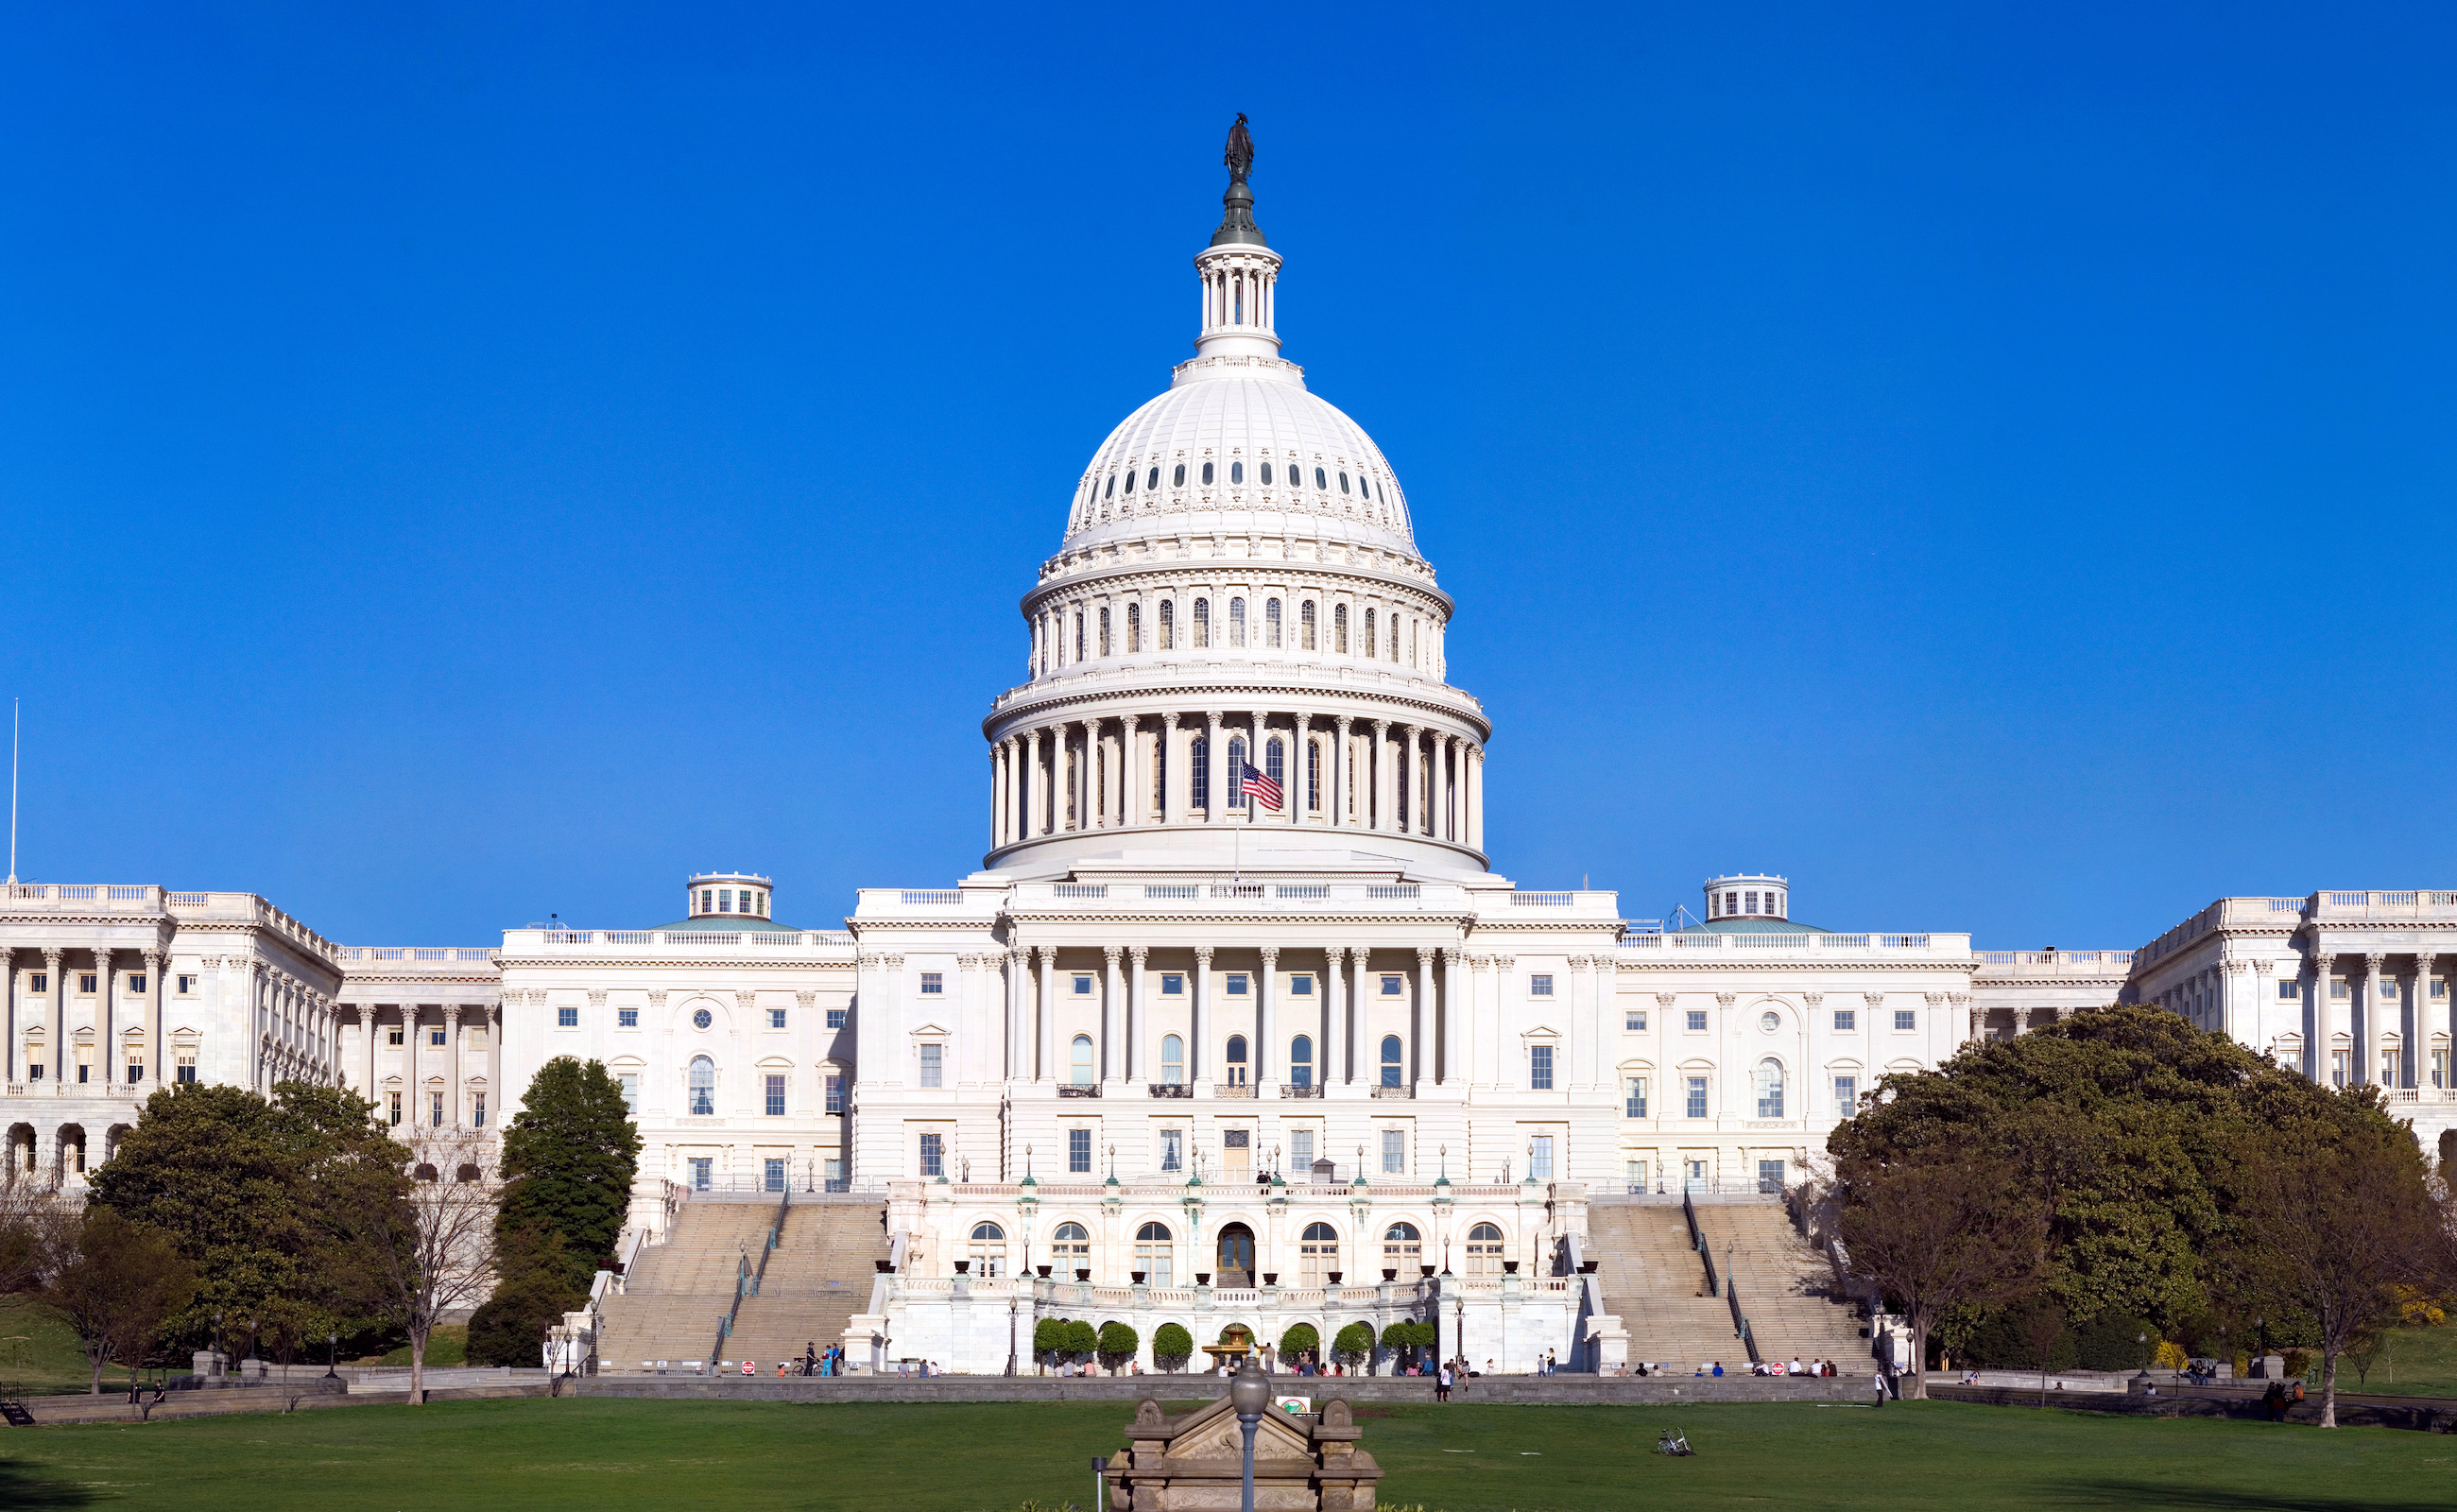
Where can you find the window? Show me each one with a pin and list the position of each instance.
(86, 981)
(1769, 1089)
(1343, 483)
(1539, 1068)
(2391, 1070)
(1633, 1098)
(934, 1154)
(1695, 1087)
(1402, 1248)
(1394, 1152)
(1847, 1097)
(1539, 1158)
(1484, 1249)
(1172, 1061)
(987, 1250)
(1697, 1021)
(1236, 984)
(2439, 987)
(1339, 628)
(187, 985)
(629, 1082)
(567, 1017)
(1131, 482)
(438, 1038)
(391, 1099)
(434, 1109)
(776, 1018)
(1172, 1149)
(1237, 471)
(1633, 1021)
(1272, 624)
(1153, 1254)
(1301, 1060)
(835, 1018)
(1394, 986)
(1177, 477)
(1365, 642)
(725, 899)
(836, 1092)
(701, 1018)
(1313, 776)
(1236, 622)
(1906, 1018)
(393, 1035)
(135, 987)
(1236, 791)
(1539, 986)
(41, 981)
(1083, 985)
(1152, 480)
(776, 1096)
(1168, 625)
(1846, 1021)
(703, 1084)
(1301, 985)
(2337, 986)
(1394, 1059)
(1202, 623)
(1198, 781)
(1301, 1150)
(1320, 480)
(2290, 992)
(772, 1175)
(702, 1171)
(1082, 1062)
(708, 900)
(1173, 983)
(2440, 1069)
(1134, 628)
(626, 1018)
(933, 983)
(1317, 1255)
(1236, 1060)
(2388, 988)
(1079, 1151)
(1305, 625)
(2338, 1067)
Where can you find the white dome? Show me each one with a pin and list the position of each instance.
(1246, 413)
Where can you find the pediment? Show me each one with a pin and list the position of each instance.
(1213, 1432)
(928, 1032)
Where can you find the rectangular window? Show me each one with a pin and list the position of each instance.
(2388, 990)
(725, 899)
(776, 1018)
(135, 987)
(1394, 986)
(2392, 1074)
(2291, 991)
(1633, 1021)
(629, 1082)
(931, 1065)
(1083, 987)
(1633, 1104)
(393, 1035)
(477, 1109)
(86, 981)
(435, 1110)
(775, 1094)
(933, 983)
(834, 1167)
(835, 1093)
(1696, 1099)
(1539, 986)
(2439, 987)
(1907, 1018)
(1301, 985)
(1236, 984)
(1172, 985)
(2440, 1069)
(1637, 1175)
(772, 1172)
(2337, 986)
(1697, 1021)
(135, 1071)
(1172, 1149)
(1539, 1068)
(626, 1018)
(41, 981)
(934, 1154)
(1847, 1097)
(1301, 1150)
(436, 1037)
(392, 1099)
(836, 1018)
(477, 1038)
(1394, 1152)
(186, 1070)
(1079, 1151)
(1539, 1157)
(567, 1017)
(1846, 1021)
(2338, 1067)
(702, 1171)
(188, 986)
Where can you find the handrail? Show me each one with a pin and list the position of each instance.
(1697, 1242)
(1732, 1298)
(745, 1280)
(776, 1238)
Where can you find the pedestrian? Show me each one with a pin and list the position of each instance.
(1878, 1380)
(1795, 1365)
(1719, 1367)
(1442, 1385)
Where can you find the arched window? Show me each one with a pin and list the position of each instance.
(1271, 623)
(1343, 483)
(1168, 625)
(1769, 1089)
(1365, 647)
(1402, 1249)
(1317, 1255)
(1276, 767)
(1202, 623)
(987, 1250)
(1236, 772)
(1301, 1060)
(703, 1084)
(1105, 632)
(1237, 472)
(1079, 635)
(1236, 622)
(1081, 1072)
(1155, 1255)
(1207, 475)
(423, 1172)
(1172, 1061)
(1339, 629)
(1111, 489)
(1395, 636)
(1313, 776)
(1321, 482)
(1484, 1249)
(1070, 1250)
(1134, 628)
(1266, 475)
(1153, 480)
(1198, 787)
(1177, 479)
(1394, 1059)
(1130, 482)
(1236, 1060)
(1305, 625)
(466, 1175)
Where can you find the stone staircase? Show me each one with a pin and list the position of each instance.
(1653, 1280)
(1786, 1288)
(677, 1291)
(817, 1279)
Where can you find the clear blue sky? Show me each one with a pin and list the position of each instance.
(1990, 464)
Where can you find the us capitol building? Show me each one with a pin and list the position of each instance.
(1235, 1004)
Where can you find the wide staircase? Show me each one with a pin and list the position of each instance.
(817, 1279)
(1654, 1282)
(1786, 1288)
(676, 1292)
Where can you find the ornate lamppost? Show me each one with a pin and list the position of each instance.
(1249, 1393)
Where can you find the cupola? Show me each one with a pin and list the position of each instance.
(1747, 897)
(727, 895)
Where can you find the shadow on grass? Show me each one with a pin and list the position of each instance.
(2127, 1493)
(21, 1487)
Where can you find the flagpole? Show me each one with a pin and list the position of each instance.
(16, 718)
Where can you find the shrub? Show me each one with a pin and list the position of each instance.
(1172, 1346)
(1300, 1339)
(1354, 1343)
(1081, 1343)
(2112, 1342)
(2171, 1355)
(1117, 1345)
(1049, 1335)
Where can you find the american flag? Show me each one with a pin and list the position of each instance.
(1262, 788)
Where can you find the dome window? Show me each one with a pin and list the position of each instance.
(1112, 488)
(1272, 624)
(1237, 622)
(1266, 475)
(1343, 483)
(1305, 625)
(1202, 623)
(1130, 480)
(1207, 475)
(1152, 481)
(1321, 482)
(1237, 472)
(1177, 480)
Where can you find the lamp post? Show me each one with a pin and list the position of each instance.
(332, 1356)
(1249, 1393)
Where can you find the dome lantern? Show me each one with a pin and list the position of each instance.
(1753, 896)
(1240, 273)
(727, 896)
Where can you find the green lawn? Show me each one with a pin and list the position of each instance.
(38, 1353)
(605, 1456)
(2414, 1362)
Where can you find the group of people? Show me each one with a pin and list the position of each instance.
(1763, 1367)
(814, 1362)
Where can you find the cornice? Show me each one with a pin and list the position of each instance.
(673, 964)
(1035, 709)
(1159, 570)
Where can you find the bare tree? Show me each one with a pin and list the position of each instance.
(115, 1281)
(2041, 1326)
(1939, 1233)
(33, 1223)
(422, 1234)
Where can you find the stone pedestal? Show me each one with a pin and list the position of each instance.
(1303, 1461)
(212, 1367)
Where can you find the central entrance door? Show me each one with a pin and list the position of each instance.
(1236, 1255)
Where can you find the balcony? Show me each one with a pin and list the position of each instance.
(1402, 1092)
(1292, 1090)
(1225, 1090)
(1172, 1089)
(1079, 1089)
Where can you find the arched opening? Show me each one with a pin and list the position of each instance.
(986, 1250)
(1770, 1079)
(1236, 1060)
(1172, 1061)
(1154, 1255)
(1394, 1059)
(422, 1171)
(1079, 1066)
(1070, 1251)
(703, 1084)
(1236, 1267)
(1301, 1060)
(72, 1151)
(1484, 1249)
(1403, 1249)
(1318, 1254)
(467, 1175)
(1236, 773)
(21, 1149)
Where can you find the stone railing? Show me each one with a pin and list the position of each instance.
(758, 938)
(115, 899)
(2000, 965)
(1930, 945)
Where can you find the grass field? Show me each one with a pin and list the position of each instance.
(608, 1456)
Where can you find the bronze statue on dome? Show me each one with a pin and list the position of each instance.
(1240, 157)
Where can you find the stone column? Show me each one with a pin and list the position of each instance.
(1113, 996)
(55, 1031)
(1382, 818)
(1215, 758)
(1087, 802)
(1267, 1026)
(1018, 1055)
(1036, 791)
(2367, 1033)
(154, 1059)
(1172, 777)
(455, 1094)
(1338, 1069)
(1260, 758)
(1407, 781)
(2317, 1031)
(1138, 1013)
(1423, 1016)
(413, 1093)
(1451, 1066)
(102, 996)
(1198, 1017)
(1044, 1017)
(2422, 959)
(1369, 1054)
(1293, 800)
(1475, 797)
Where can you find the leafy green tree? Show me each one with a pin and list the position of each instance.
(1299, 1341)
(1081, 1343)
(1352, 1344)
(1936, 1230)
(535, 1292)
(570, 1158)
(117, 1283)
(1117, 1343)
(1172, 1346)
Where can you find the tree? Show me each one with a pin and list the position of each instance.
(1352, 1344)
(117, 1282)
(1049, 1340)
(570, 1158)
(1172, 1346)
(531, 1296)
(422, 1232)
(1117, 1343)
(1299, 1341)
(1936, 1233)
(2338, 1221)
(1081, 1343)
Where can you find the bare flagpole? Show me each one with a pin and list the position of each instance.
(16, 718)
